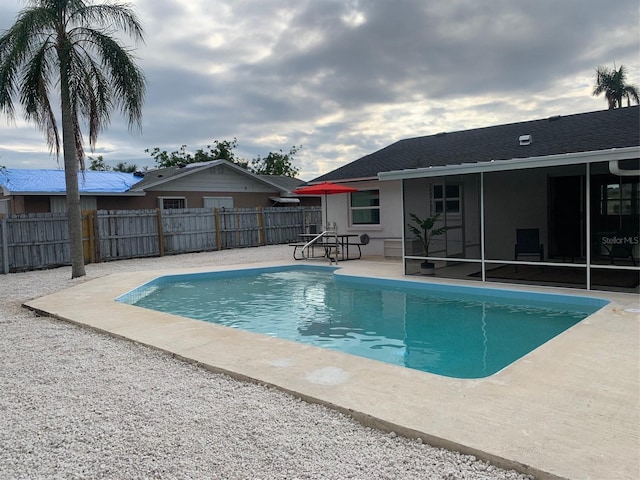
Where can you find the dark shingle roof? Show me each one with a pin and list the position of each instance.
(286, 183)
(601, 130)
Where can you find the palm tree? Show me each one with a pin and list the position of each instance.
(614, 86)
(67, 45)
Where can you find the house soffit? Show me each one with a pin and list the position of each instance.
(612, 155)
(344, 180)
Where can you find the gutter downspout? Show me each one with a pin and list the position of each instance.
(614, 168)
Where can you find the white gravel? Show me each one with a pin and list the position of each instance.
(76, 404)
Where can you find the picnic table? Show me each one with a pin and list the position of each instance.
(326, 245)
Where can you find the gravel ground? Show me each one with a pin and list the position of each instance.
(77, 404)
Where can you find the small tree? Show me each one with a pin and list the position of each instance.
(98, 165)
(276, 163)
(221, 150)
(125, 167)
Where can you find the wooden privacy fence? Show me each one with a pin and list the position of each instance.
(37, 241)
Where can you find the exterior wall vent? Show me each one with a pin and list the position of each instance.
(525, 139)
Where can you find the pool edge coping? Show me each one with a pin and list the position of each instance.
(43, 306)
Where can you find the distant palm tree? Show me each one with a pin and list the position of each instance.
(67, 45)
(613, 83)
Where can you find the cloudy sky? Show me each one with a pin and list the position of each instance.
(344, 78)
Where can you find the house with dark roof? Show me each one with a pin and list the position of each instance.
(214, 184)
(568, 184)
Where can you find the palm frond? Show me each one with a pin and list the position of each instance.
(35, 93)
(613, 83)
(111, 16)
(126, 78)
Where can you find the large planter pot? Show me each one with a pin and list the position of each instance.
(427, 268)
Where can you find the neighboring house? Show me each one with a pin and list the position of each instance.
(40, 190)
(214, 184)
(575, 179)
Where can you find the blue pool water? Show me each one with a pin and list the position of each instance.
(462, 332)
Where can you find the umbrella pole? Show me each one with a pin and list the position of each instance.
(326, 214)
(328, 231)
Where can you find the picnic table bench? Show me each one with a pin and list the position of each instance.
(334, 246)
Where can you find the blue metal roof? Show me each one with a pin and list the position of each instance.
(52, 181)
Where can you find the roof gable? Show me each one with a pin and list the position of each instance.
(586, 132)
(153, 178)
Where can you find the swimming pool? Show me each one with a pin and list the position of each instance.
(454, 331)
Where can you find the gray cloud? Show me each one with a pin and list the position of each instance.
(344, 78)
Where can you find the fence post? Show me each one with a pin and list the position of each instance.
(87, 245)
(5, 244)
(91, 217)
(216, 216)
(262, 234)
(160, 233)
(96, 237)
(236, 220)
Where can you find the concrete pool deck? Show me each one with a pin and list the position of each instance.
(569, 409)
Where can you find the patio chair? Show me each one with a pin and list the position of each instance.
(364, 240)
(528, 243)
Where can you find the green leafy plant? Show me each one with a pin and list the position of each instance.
(424, 230)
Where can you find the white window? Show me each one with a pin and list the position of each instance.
(446, 199)
(218, 202)
(365, 207)
(58, 204)
(4, 206)
(166, 203)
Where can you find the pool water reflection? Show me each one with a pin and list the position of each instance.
(453, 331)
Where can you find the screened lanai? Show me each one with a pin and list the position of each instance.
(564, 220)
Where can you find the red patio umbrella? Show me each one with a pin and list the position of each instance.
(324, 188)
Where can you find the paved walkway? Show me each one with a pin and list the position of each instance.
(569, 409)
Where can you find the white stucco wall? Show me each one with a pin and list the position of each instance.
(391, 222)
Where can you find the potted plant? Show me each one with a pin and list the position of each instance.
(424, 231)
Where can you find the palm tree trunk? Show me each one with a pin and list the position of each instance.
(74, 215)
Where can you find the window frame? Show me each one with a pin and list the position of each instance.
(626, 201)
(440, 203)
(161, 201)
(371, 208)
